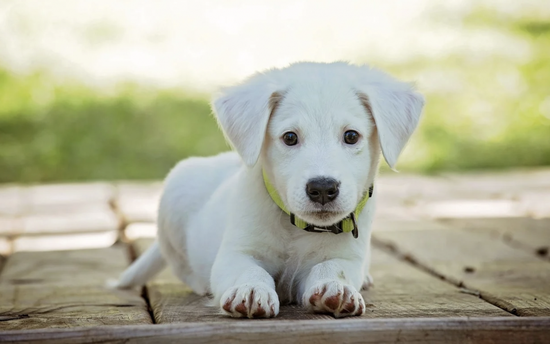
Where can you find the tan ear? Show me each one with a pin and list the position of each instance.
(243, 112)
(396, 109)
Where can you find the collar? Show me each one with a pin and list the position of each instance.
(348, 224)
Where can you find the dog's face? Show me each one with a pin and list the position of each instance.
(318, 129)
(318, 151)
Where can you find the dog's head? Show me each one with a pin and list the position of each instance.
(318, 129)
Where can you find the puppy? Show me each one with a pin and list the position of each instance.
(287, 218)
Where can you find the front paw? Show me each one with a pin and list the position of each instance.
(250, 300)
(335, 298)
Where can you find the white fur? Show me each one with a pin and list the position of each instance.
(220, 231)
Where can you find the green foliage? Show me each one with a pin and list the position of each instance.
(487, 111)
(482, 112)
(72, 133)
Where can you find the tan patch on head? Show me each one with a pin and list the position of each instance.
(275, 100)
(364, 99)
(374, 142)
(366, 103)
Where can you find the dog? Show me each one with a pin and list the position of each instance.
(287, 217)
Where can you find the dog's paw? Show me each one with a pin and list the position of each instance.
(335, 298)
(250, 300)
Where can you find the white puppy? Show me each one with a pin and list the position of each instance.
(308, 140)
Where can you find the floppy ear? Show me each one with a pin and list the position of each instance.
(396, 110)
(243, 112)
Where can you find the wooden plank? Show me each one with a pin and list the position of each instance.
(536, 203)
(9, 225)
(138, 230)
(71, 241)
(502, 183)
(85, 218)
(401, 225)
(400, 291)
(508, 277)
(67, 289)
(11, 200)
(138, 202)
(174, 302)
(45, 198)
(423, 330)
(6, 246)
(526, 233)
(470, 208)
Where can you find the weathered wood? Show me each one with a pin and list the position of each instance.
(67, 289)
(72, 241)
(5, 246)
(138, 202)
(53, 197)
(9, 225)
(138, 230)
(174, 302)
(470, 208)
(11, 200)
(87, 218)
(502, 183)
(400, 291)
(536, 203)
(422, 330)
(526, 233)
(511, 278)
(400, 225)
(38, 217)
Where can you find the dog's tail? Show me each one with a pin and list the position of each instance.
(144, 268)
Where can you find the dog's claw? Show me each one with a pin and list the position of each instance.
(336, 298)
(250, 305)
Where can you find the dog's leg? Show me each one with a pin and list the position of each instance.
(246, 289)
(332, 287)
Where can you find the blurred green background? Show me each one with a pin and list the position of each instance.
(483, 111)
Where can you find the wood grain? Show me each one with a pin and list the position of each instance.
(69, 241)
(513, 279)
(67, 289)
(400, 291)
(138, 202)
(526, 233)
(423, 330)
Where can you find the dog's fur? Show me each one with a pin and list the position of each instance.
(221, 232)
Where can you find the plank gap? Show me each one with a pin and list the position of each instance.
(408, 258)
(2, 263)
(145, 296)
(62, 289)
(144, 291)
(122, 222)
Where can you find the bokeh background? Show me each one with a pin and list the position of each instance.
(109, 90)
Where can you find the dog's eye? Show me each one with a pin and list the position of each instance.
(290, 138)
(351, 137)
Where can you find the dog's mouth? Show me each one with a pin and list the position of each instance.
(323, 217)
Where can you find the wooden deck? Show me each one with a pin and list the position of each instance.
(456, 259)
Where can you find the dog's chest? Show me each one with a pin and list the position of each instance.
(298, 258)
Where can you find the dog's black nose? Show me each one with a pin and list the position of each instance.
(322, 190)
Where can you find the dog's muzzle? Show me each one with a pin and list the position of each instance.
(348, 224)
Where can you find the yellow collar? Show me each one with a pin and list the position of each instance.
(347, 225)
